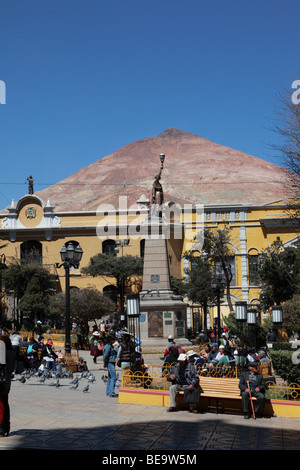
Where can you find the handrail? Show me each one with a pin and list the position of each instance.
(152, 378)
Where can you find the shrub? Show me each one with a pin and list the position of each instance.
(284, 367)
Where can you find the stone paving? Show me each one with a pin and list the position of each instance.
(45, 417)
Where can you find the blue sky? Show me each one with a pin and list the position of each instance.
(86, 77)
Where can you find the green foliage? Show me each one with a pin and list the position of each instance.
(279, 273)
(113, 266)
(248, 334)
(218, 251)
(291, 317)
(199, 281)
(178, 286)
(86, 304)
(32, 285)
(285, 367)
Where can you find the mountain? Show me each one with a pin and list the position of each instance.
(196, 170)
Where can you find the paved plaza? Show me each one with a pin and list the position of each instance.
(45, 417)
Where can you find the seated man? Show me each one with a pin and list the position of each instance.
(183, 376)
(252, 382)
(214, 350)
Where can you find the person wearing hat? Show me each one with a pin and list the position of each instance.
(38, 329)
(195, 359)
(256, 387)
(49, 355)
(171, 342)
(94, 339)
(183, 376)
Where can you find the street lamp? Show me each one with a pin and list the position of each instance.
(277, 314)
(121, 244)
(241, 311)
(71, 257)
(218, 285)
(251, 320)
(133, 317)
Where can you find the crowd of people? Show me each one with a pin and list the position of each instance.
(117, 347)
(224, 352)
(182, 369)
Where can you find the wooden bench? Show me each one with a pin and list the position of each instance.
(218, 389)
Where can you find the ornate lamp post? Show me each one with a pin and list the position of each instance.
(116, 249)
(277, 314)
(241, 315)
(251, 320)
(133, 316)
(218, 285)
(71, 257)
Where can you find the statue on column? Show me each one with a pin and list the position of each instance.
(30, 185)
(157, 190)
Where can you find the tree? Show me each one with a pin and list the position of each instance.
(217, 249)
(288, 128)
(198, 285)
(125, 270)
(291, 317)
(85, 304)
(32, 285)
(278, 273)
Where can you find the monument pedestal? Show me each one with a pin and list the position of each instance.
(162, 312)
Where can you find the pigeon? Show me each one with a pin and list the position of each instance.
(104, 378)
(86, 388)
(74, 386)
(42, 379)
(55, 384)
(22, 379)
(91, 378)
(75, 381)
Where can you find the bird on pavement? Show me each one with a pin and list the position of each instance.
(86, 388)
(74, 386)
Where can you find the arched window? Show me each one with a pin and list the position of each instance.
(108, 247)
(253, 265)
(111, 292)
(32, 252)
(142, 248)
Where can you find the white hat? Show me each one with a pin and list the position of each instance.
(221, 346)
(170, 337)
(191, 353)
(182, 357)
(96, 333)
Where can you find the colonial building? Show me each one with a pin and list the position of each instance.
(32, 225)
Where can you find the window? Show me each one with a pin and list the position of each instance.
(230, 264)
(108, 247)
(32, 252)
(142, 248)
(253, 262)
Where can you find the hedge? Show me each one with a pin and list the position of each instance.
(286, 365)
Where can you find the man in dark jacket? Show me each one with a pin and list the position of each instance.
(183, 376)
(251, 382)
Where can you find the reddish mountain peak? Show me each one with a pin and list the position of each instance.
(196, 170)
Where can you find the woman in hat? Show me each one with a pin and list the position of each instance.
(49, 355)
(94, 340)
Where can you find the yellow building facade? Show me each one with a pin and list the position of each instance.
(33, 224)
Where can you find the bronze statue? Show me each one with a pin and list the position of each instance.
(157, 190)
(30, 185)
